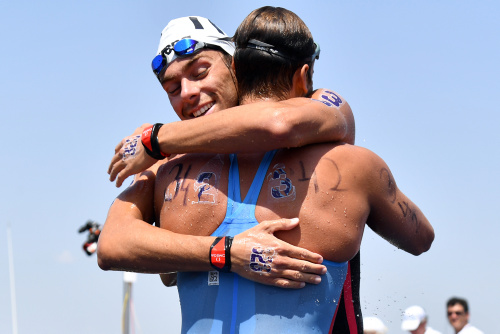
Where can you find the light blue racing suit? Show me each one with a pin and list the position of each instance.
(215, 302)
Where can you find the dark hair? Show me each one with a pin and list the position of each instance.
(455, 300)
(260, 72)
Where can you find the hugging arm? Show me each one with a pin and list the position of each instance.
(130, 242)
(393, 215)
(261, 126)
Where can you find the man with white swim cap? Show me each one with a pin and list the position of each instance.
(188, 28)
(271, 125)
(334, 189)
(127, 243)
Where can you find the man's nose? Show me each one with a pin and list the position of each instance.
(189, 90)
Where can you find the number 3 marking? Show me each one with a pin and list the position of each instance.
(330, 99)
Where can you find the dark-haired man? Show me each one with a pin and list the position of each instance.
(206, 87)
(129, 244)
(458, 316)
(334, 189)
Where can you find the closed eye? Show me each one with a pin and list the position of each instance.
(201, 72)
(173, 90)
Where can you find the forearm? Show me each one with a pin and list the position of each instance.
(136, 246)
(414, 234)
(129, 241)
(260, 126)
(420, 233)
(393, 215)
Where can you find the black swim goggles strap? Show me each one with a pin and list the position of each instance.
(271, 49)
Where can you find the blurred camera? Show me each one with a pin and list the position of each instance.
(94, 229)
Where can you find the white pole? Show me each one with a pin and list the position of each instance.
(12, 282)
(128, 279)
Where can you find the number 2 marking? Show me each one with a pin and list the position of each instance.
(206, 193)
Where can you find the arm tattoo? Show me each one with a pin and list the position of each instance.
(391, 186)
(410, 214)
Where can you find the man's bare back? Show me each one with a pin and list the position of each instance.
(334, 189)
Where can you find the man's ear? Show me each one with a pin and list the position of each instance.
(300, 83)
(232, 65)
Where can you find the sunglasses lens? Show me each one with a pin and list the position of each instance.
(317, 51)
(157, 64)
(185, 46)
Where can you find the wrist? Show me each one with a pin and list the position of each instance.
(220, 254)
(150, 142)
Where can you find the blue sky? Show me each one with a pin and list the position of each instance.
(420, 76)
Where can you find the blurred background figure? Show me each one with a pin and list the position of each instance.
(94, 229)
(415, 321)
(458, 316)
(373, 325)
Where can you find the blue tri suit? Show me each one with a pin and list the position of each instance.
(237, 305)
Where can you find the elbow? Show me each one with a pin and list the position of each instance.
(103, 264)
(105, 257)
(425, 243)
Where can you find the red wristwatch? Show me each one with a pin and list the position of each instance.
(149, 140)
(220, 254)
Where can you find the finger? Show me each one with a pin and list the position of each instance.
(287, 284)
(119, 146)
(281, 224)
(116, 158)
(284, 264)
(302, 254)
(297, 276)
(307, 278)
(117, 168)
(119, 181)
(122, 176)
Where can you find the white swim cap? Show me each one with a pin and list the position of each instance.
(193, 27)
